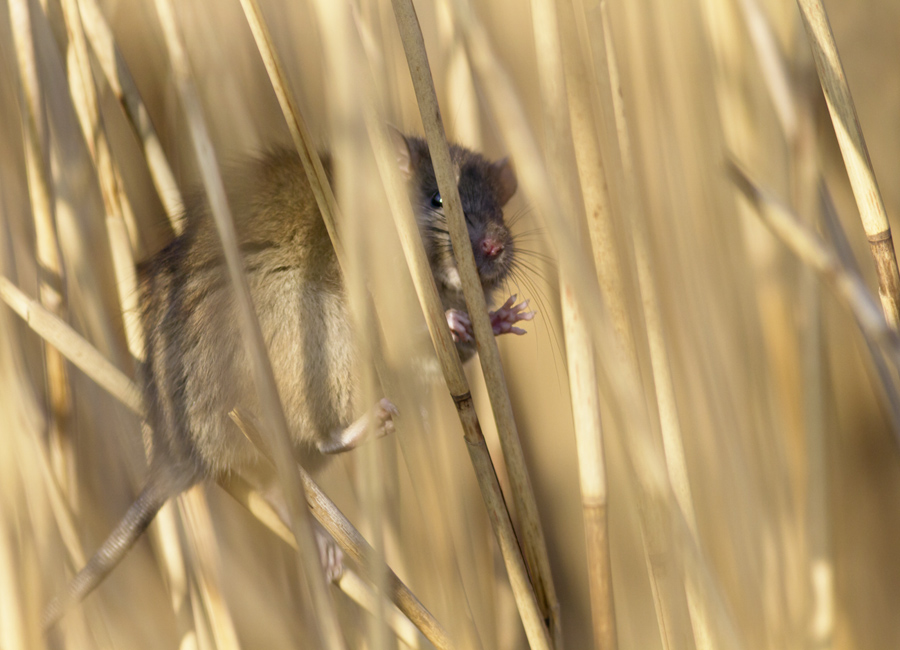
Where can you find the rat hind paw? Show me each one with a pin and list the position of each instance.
(509, 313)
(381, 418)
(330, 554)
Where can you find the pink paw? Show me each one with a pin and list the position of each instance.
(383, 415)
(330, 554)
(503, 319)
(460, 325)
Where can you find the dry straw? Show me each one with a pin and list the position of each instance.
(712, 399)
(856, 155)
(324, 620)
(90, 361)
(533, 541)
(812, 251)
(49, 257)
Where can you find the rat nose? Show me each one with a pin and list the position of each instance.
(491, 247)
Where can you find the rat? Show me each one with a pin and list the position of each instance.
(196, 369)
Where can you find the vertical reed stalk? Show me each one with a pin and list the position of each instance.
(115, 201)
(120, 81)
(49, 258)
(856, 154)
(591, 470)
(677, 611)
(534, 545)
(324, 620)
(583, 388)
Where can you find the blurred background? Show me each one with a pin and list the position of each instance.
(783, 521)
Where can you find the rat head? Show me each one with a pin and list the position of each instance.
(484, 188)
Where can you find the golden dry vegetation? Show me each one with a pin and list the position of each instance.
(708, 309)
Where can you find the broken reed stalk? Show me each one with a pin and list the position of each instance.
(123, 87)
(99, 369)
(583, 388)
(324, 620)
(115, 202)
(812, 251)
(856, 155)
(534, 545)
(351, 540)
(52, 279)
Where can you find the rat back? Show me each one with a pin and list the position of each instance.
(197, 369)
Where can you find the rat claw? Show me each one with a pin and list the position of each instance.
(460, 325)
(388, 406)
(517, 330)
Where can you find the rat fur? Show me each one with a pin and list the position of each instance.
(196, 368)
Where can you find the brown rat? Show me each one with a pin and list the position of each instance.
(196, 369)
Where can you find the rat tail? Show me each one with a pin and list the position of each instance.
(133, 524)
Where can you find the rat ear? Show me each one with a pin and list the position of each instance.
(404, 154)
(505, 174)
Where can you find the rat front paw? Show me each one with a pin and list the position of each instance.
(460, 325)
(503, 319)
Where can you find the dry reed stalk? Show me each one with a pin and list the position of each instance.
(657, 517)
(856, 155)
(324, 621)
(535, 549)
(82, 354)
(115, 202)
(120, 81)
(300, 133)
(49, 258)
(583, 388)
(204, 550)
(838, 237)
(356, 187)
(587, 124)
(797, 124)
(534, 545)
(849, 287)
(591, 470)
(87, 358)
(679, 608)
(670, 426)
(429, 301)
(354, 586)
(346, 535)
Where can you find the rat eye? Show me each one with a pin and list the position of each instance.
(437, 201)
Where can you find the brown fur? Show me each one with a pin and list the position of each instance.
(197, 369)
